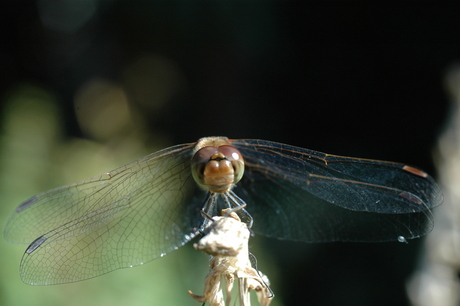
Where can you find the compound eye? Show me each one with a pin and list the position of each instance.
(234, 156)
(231, 153)
(199, 162)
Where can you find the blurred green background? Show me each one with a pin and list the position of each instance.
(87, 86)
(36, 157)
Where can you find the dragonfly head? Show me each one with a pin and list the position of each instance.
(217, 168)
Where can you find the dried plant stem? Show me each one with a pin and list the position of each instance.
(227, 243)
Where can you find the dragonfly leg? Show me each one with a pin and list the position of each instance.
(253, 261)
(238, 204)
(208, 205)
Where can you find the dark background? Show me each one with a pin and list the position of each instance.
(361, 81)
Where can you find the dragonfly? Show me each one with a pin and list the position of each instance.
(156, 204)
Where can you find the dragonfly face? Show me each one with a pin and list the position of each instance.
(152, 206)
(217, 165)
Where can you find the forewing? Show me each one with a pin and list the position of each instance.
(124, 218)
(299, 194)
(351, 183)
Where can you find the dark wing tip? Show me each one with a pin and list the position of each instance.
(35, 244)
(26, 203)
(415, 171)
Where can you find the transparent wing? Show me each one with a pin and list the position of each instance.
(123, 218)
(299, 194)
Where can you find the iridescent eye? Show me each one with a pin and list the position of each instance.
(199, 162)
(232, 154)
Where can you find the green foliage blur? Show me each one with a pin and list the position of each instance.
(35, 156)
